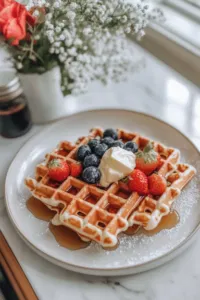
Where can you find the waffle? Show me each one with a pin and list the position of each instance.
(100, 214)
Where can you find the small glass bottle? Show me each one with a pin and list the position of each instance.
(15, 117)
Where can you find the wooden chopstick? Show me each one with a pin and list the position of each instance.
(14, 272)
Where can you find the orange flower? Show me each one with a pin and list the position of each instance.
(13, 20)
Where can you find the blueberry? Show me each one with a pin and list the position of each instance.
(82, 152)
(110, 133)
(131, 146)
(108, 141)
(91, 175)
(92, 143)
(100, 149)
(91, 160)
(118, 144)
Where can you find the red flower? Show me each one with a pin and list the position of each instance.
(4, 3)
(13, 20)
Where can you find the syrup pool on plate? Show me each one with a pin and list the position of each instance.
(167, 222)
(69, 239)
(64, 236)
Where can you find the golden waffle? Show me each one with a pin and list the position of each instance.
(93, 212)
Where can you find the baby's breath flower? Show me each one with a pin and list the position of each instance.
(62, 50)
(62, 57)
(71, 15)
(87, 38)
(57, 44)
(37, 37)
(73, 5)
(58, 29)
(87, 31)
(51, 50)
(36, 13)
(78, 42)
(56, 4)
(62, 37)
(72, 51)
(68, 42)
(51, 40)
(19, 66)
(124, 19)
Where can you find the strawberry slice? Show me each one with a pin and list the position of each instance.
(147, 160)
(157, 184)
(76, 169)
(138, 182)
(58, 169)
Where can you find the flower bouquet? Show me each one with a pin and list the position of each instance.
(63, 45)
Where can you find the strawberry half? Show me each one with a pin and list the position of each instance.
(58, 169)
(157, 184)
(138, 182)
(147, 160)
(76, 169)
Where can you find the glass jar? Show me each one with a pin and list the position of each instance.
(15, 117)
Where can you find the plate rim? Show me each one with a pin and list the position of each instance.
(99, 269)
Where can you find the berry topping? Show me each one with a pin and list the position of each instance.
(138, 182)
(92, 143)
(131, 146)
(147, 160)
(58, 169)
(108, 141)
(91, 160)
(118, 144)
(157, 184)
(82, 152)
(100, 149)
(91, 175)
(76, 169)
(110, 133)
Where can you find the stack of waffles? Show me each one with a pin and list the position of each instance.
(100, 214)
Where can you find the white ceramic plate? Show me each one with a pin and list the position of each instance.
(135, 253)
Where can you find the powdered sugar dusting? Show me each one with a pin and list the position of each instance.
(137, 249)
(145, 248)
(133, 250)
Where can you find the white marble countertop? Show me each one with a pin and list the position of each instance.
(161, 92)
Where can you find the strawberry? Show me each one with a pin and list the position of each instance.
(138, 182)
(157, 184)
(58, 169)
(147, 160)
(76, 169)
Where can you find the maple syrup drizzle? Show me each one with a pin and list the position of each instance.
(111, 208)
(39, 210)
(132, 230)
(91, 198)
(73, 190)
(64, 236)
(123, 193)
(167, 222)
(67, 238)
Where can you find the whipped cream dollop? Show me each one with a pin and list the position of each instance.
(116, 164)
